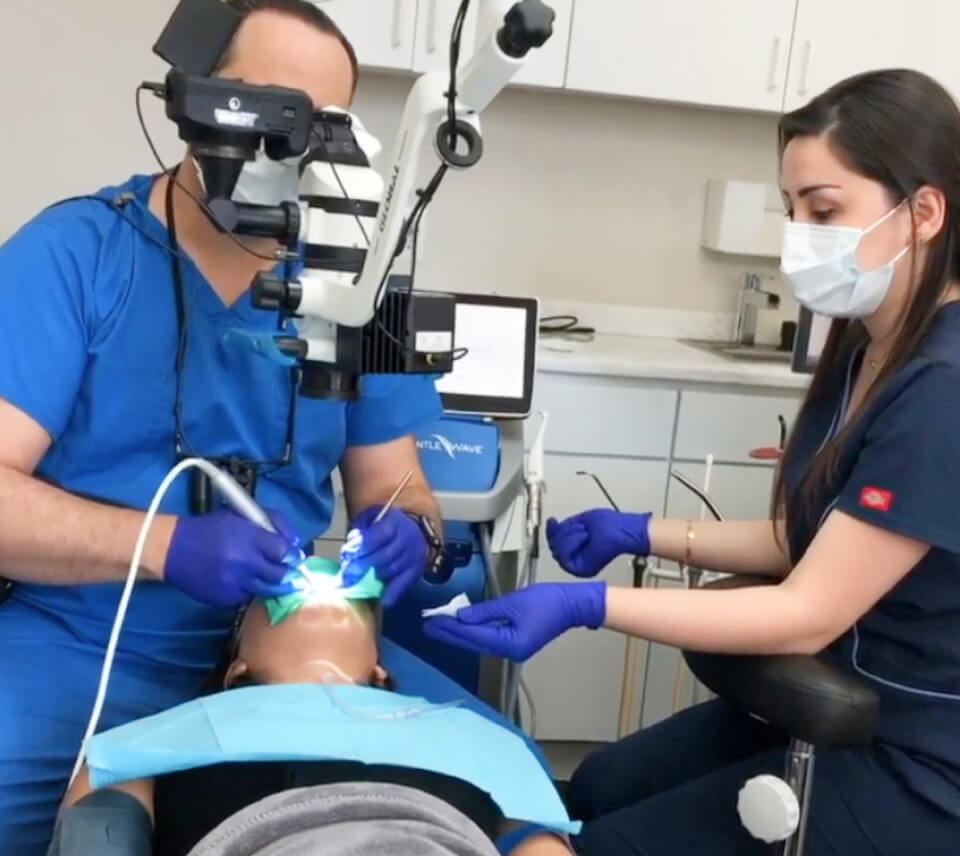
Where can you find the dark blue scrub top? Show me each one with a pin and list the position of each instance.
(88, 337)
(900, 470)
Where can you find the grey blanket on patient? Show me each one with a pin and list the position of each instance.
(348, 820)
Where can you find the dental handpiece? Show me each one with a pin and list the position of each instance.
(239, 500)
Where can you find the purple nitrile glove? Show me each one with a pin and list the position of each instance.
(585, 544)
(519, 624)
(222, 559)
(395, 547)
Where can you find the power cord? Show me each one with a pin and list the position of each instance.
(456, 37)
(128, 585)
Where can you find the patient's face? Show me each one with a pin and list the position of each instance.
(322, 642)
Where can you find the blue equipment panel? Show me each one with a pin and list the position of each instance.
(458, 455)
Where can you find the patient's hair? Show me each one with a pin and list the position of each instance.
(307, 12)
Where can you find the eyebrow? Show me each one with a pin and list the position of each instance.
(813, 188)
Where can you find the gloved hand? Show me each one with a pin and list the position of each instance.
(519, 624)
(585, 544)
(222, 559)
(395, 547)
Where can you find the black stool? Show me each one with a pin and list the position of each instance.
(817, 705)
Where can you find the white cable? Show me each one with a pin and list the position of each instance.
(532, 731)
(213, 472)
(682, 683)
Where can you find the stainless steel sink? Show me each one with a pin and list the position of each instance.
(735, 351)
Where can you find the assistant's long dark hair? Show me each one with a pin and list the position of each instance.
(901, 129)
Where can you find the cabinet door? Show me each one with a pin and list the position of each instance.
(381, 31)
(434, 29)
(576, 680)
(740, 493)
(730, 54)
(834, 40)
(730, 425)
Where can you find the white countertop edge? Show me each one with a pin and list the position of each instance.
(725, 376)
(647, 358)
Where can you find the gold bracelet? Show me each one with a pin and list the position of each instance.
(688, 549)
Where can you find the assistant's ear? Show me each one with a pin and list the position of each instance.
(235, 672)
(381, 678)
(929, 207)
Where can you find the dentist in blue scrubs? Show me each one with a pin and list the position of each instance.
(864, 546)
(94, 409)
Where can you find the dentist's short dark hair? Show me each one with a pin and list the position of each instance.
(305, 11)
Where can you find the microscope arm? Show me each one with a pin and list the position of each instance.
(526, 25)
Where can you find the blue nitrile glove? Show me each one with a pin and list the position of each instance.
(519, 624)
(222, 559)
(585, 544)
(396, 548)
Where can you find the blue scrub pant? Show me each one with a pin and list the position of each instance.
(671, 790)
(48, 681)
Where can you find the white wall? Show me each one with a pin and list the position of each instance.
(577, 198)
(68, 71)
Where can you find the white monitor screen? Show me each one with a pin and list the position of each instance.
(496, 341)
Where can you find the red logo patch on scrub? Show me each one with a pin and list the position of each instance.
(876, 499)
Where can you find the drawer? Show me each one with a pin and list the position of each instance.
(576, 681)
(728, 426)
(602, 416)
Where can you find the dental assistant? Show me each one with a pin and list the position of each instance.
(865, 541)
(96, 407)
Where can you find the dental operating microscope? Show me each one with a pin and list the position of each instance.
(348, 225)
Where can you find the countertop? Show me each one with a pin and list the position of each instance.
(643, 357)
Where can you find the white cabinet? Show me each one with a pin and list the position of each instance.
(434, 29)
(630, 433)
(834, 40)
(612, 416)
(731, 54)
(576, 680)
(381, 31)
(739, 492)
(728, 426)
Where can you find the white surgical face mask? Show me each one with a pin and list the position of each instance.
(268, 182)
(820, 263)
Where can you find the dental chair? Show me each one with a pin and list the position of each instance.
(817, 705)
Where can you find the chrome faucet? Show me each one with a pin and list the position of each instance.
(752, 299)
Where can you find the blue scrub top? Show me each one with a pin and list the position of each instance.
(899, 469)
(88, 338)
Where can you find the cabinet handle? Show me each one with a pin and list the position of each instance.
(396, 37)
(805, 67)
(774, 65)
(432, 27)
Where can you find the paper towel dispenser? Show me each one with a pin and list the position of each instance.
(743, 218)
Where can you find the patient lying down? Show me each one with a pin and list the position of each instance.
(318, 640)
